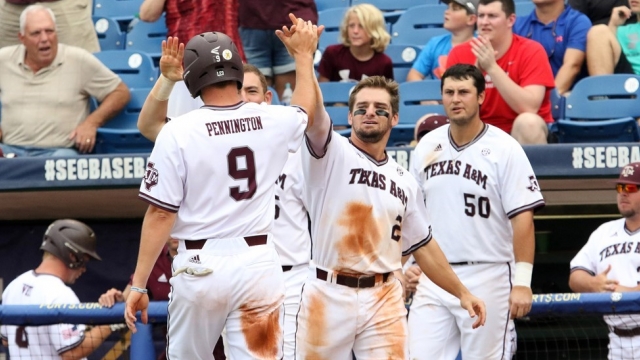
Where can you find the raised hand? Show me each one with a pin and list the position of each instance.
(171, 60)
(301, 38)
(484, 52)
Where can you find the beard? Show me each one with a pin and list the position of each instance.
(371, 136)
(627, 213)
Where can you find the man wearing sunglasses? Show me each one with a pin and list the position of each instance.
(609, 262)
(562, 31)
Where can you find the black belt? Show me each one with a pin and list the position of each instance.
(467, 263)
(251, 241)
(359, 282)
(626, 332)
(286, 268)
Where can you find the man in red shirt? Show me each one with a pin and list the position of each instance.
(517, 71)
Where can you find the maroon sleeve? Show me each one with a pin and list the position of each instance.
(388, 67)
(327, 65)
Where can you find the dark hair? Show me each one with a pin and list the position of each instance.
(508, 6)
(248, 68)
(378, 82)
(464, 72)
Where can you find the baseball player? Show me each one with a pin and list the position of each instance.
(481, 192)
(291, 235)
(365, 212)
(210, 182)
(68, 245)
(610, 260)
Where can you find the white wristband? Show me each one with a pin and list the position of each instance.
(524, 270)
(140, 290)
(163, 88)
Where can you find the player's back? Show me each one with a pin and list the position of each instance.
(217, 168)
(36, 342)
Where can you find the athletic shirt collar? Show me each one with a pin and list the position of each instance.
(224, 108)
(458, 148)
(371, 158)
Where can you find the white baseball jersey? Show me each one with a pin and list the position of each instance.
(364, 213)
(40, 342)
(290, 229)
(206, 164)
(488, 181)
(612, 244)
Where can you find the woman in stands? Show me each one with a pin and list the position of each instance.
(363, 37)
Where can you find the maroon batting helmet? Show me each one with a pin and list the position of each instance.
(210, 58)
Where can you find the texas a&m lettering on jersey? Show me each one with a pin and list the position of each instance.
(451, 167)
(372, 179)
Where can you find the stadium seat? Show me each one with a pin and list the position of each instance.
(122, 11)
(601, 108)
(135, 68)
(392, 9)
(109, 35)
(335, 98)
(331, 19)
(148, 37)
(402, 57)
(418, 24)
(558, 104)
(412, 93)
(524, 8)
(322, 5)
(121, 135)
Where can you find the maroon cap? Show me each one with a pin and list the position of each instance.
(630, 174)
(430, 123)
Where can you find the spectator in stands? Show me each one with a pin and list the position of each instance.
(517, 71)
(608, 263)
(258, 21)
(68, 245)
(363, 37)
(74, 27)
(426, 124)
(45, 88)
(614, 48)
(460, 20)
(186, 19)
(598, 11)
(158, 288)
(562, 31)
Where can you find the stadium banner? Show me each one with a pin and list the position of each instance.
(127, 170)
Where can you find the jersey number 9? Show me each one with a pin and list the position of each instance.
(247, 173)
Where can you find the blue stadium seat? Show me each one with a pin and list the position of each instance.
(109, 35)
(558, 104)
(322, 5)
(135, 68)
(524, 8)
(418, 24)
(392, 9)
(331, 19)
(122, 11)
(601, 108)
(335, 95)
(412, 93)
(121, 135)
(148, 37)
(402, 57)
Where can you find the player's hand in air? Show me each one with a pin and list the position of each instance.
(601, 282)
(171, 60)
(413, 277)
(136, 301)
(301, 38)
(111, 297)
(475, 307)
(520, 301)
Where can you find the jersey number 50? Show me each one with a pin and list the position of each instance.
(484, 206)
(247, 173)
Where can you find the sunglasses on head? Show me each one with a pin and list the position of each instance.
(628, 188)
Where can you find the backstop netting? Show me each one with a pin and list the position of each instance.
(560, 326)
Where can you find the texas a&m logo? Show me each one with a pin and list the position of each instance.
(533, 186)
(150, 176)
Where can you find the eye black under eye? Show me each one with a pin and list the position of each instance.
(381, 112)
(360, 112)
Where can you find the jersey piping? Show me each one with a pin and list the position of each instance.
(458, 148)
(533, 206)
(415, 247)
(155, 202)
(371, 158)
